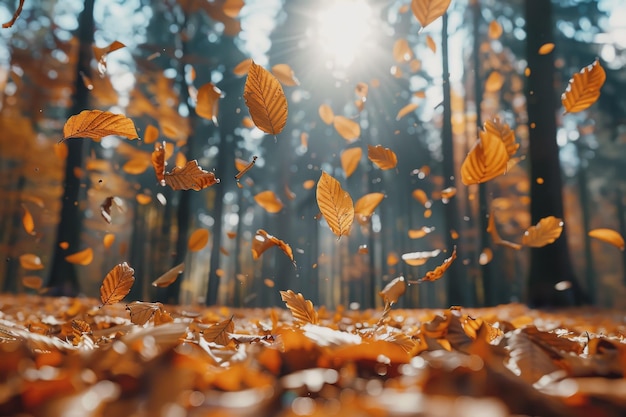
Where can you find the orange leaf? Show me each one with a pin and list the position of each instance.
(96, 124)
(170, 276)
(158, 161)
(431, 44)
(190, 177)
(27, 221)
(107, 240)
(393, 290)
(420, 233)
(116, 284)
(308, 184)
(493, 231)
(207, 105)
(30, 262)
(142, 312)
(265, 99)
(438, 272)
(608, 236)
(494, 82)
(504, 132)
(546, 48)
(301, 309)
(546, 231)
(335, 204)
(198, 240)
(231, 8)
(151, 134)
(33, 282)
(285, 75)
(406, 110)
(422, 197)
(242, 68)
(495, 29)
(426, 11)
(347, 128)
(15, 16)
(218, 333)
(269, 201)
(402, 52)
(365, 206)
(326, 113)
(383, 158)
(584, 88)
(84, 257)
(99, 53)
(136, 166)
(263, 241)
(243, 166)
(350, 159)
(419, 258)
(486, 160)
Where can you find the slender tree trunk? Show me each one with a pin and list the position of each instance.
(63, 276)
(549, 264)
(586, 218)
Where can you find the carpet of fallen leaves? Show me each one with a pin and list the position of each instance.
(74, 357)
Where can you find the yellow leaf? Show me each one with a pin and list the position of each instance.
(30, 262)
(151, 134)
(504, 132)
(335, 204)
(350, 159)
(431, 44)
(426, 11)
(608, 236)
(181, 159)
(27, 221)
(495, 29)
(546, 231)
(190, 177)
(486, 160)
(269, 201)
(383, 158)
(494, 82)
(263, 241)
(326, 113)
(96, 124)
(301, 309)
(393, 290)
(207, 105)
(198, 240)
(84, 257)
(584, 88)
(406, 110)
(365, 206)
(285, 75)
(265, 99)
(117, 284)
(546, 48)
(438, 272)
(347, 128)
(402, 52)
(170, 276)
(158, 161)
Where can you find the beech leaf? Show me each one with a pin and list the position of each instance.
(265, 99)
(170, 276)
(83, 257)
(190, 177)
(347, 128)
(486, 160)
(546, 231)
(608, 236)
(335, 204)
(365, 206)
(301, 309)
(218, 333)
(383, 158)
(583, 88)
(96, 124)
(393, 290)
(269, 201)
(350, 159)
(117, 284)
(427, 11)
(262, 241)
(198, 240)
(158, 162)
(207, 104)
(142, 312)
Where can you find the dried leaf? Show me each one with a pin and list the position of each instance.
(393, 290)
(438, 272)
(190, 177)
(27, 221)
(32, 281)
(84, 257)
(285, 75)
(427, 11)
(335, 204)
(170, 276)
(242, 68)
(350, 159)
(265, 99)
(430, 42)
(383, 158)
(347, 128)
(142, 312)
(263, 241)
(136, 166)
(207, 105)
(493, 231)
(117, 284)
(269, 201)
(419, 258)
(101, 55)
(494, 82)
(308, 184)
(546, 48)
(301, 309)
(151, 134)
(495, 29)
(243, 167)
(504, 132)
(96, 124)
(231, 8)
(401, 51)
(326, 114)
(15, 16)
(546, 231)
(107, 240)
(218, 333)
(365, 206)
(486, 160)
(105, 207)
(608, 236)
(158, 162)
(528, 360)
(584, 88)
(406, 110)
(198, 240)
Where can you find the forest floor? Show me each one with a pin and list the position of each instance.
(71, 356)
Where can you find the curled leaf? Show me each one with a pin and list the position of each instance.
(190, 177)
(84, 257)
(301, 309)
(438, 272)
(117, 284)
(419, 258)
(335, 204)
(546, 231)
(393, 290)
(96, 124)
(169, 277)
(262, 241)
(265, 99)
(15, 16)
(609, 236)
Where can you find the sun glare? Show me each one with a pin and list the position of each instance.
(344, 27)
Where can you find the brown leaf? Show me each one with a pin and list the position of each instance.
(151, 134)
(486, 160)
(142, 312)
(301, 309)
(285, 75)
(27, 221)
(347, 128)
(170, 276)
(504, 132)
(365, 206)
(218, 333)
(105, 207)
(96, 124)
(427, 11)
(350, 159)
(406, 110)
(32, 281)
(326, 113)
(116, 284)
(430, 42)
(422, 197)
(243, 166)
(242, 68)
(190, 177)
(335, 204)
(269, 201)
(30, 261)
(546, 231)
(265, 99)
(83, 257)
(15, 16)
(608, 236)
(584, 88)
(198, 240)
(383, 158)
(438, 272)
(393, 290)
(262, 241)
(207, 105)
(79, 328)
(158, 162)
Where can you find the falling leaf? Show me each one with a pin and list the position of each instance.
(27, 221)
(15, 16)
(419, 258)
(105, 207)
(151, 134)
(448, 193)
(83, 257)
(485, 256)
(361, 91)
(269, 201)
(265, 99)
(158, 162)
(170, 276)
(494, 82)
(136, 166)
(608, 236)
(486, 160)
(326, 114)
(243, 167)
(493, 231)
(583, 88)
(383, 158)
(142, 312)
(504, 132)
(101, 55)
(401, 51)
(231, 8)
(347, 128)
(96, 124)
(285, 75)
(107, 240)
(392, 259)
(143, 199)
(335, 204)
(301, 309)
(207, 105)
(431, 44)
(32, 281)
(218, 333)
(350, 159)
(242, 68)
(117, 284)
(422, 197)
(406, 110)
(393, 290)
(495, 29)
(64, 245)
(308, 184)
(546, 48)
(440, 270)
(269, 283)
(181, 159)
(198, 240)
(427, 11)
(30, 262)
(263, 241)
(546, 231)
(420, 233)
(365, 206)
(190, 177)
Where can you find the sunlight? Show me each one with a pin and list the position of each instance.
(344, 27)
